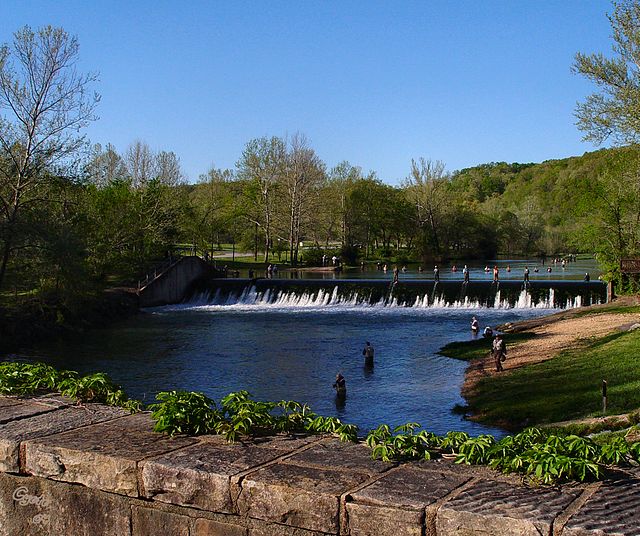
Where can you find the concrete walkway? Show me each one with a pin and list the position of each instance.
(74, 470)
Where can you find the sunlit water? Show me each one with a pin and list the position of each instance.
(292, 349)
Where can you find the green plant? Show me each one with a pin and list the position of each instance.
(29, 379)
(181, 412)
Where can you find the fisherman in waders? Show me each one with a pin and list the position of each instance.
(368, 352)
(340, 385)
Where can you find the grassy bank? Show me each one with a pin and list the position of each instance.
(566, 387)
(563, 388)
(477, 349)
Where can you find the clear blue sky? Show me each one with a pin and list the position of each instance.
(375, 83)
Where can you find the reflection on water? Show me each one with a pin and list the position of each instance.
(293, 353)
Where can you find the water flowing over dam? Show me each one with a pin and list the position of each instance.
(412, 293)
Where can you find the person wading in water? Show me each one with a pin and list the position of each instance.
(368, 352)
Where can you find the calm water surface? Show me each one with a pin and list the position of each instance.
(292, 352)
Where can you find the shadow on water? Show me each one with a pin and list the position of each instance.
(341, 403)
(368, 369)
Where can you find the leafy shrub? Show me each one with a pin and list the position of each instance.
(181, 412)
(239, 415)
(30, 379)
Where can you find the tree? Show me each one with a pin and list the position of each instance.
(614, 112)
(212, 207)
(426, 190)
(302, 179)
(104, 167)
(44, 103)
(262, 164)
(141, 164)
(168, 168)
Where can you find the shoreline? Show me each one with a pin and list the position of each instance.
(542, 339)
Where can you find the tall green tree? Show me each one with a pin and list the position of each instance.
(304, 175)
(426, 189)
(262, 165)
(613, 112)
(44, 102)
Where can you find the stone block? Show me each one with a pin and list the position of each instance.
(368, 520)
(209, 527)
(395, 504)
(297, 496)
(614, 509)
(335, 454)
(62, 420)
(103, 456)
(12, 409)
(151, 522)
(200, 475)
(33, 506)
(489, 507)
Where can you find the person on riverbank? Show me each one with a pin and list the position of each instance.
(587, 277)
(488, 332)
(465, 273)
(499, 352)
(526, 274)
(475, 325)
(496, 274)
(396, 275)
(436, 273)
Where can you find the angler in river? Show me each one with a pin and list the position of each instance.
(340, 385)
(368, 352)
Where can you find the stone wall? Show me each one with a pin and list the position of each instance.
(93, 470)
(173, 285)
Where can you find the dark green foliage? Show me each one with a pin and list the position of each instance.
(182, 412)
(179, 412)
(541, 457)
(30, 379)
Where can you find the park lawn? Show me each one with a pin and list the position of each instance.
(565, 387)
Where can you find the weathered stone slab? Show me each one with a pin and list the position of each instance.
(612, 510)
(15, 409)
(38, 507)
(489, 507)
(200, 475)
(150, 522)
(298, 496)
(14, 432)
(396, 503)
(262, 528)
(208, 527)
(102, 456)
(335, 454)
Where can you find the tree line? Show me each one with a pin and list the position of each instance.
(75, 217)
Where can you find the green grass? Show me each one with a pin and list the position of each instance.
(565, 387)
(478, 348)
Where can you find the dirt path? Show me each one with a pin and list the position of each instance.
(553, 336)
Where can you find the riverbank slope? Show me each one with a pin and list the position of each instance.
(555, 367)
